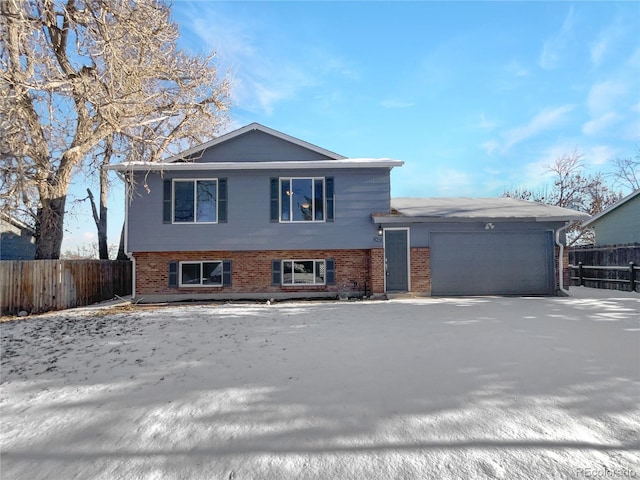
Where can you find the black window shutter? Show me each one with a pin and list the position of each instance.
(166, 202)
(328, 185)
(226, 273)
(222, 200)
(173, 274)
(276, 268)
(330, 274)
(275, 202)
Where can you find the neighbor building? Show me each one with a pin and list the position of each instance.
(17, 239)
(619, 224)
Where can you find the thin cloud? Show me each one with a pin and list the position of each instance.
(396, 104)
(262, 77)
(485, 124)
(603, 96)
(545, 120)
(599, 155)
(516, 69)
(554, 47)
(606, 40)
(600, 124)
(452, 181)
(490, 146)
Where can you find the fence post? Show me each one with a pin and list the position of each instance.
(580, 274)
(632, 276)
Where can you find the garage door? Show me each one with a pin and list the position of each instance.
(492, 263)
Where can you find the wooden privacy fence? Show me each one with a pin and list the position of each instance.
(618, 278)
(608, 266)
(38, 286)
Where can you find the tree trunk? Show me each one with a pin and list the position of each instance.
(121, 253)
(100, 220)
(49, 228)
(102, 229)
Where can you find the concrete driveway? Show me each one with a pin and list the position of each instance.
(433, 388)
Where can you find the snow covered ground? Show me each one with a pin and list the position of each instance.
(442, 388)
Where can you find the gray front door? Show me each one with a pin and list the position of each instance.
(396, 260)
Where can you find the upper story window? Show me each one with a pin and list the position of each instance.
(302, 199)
(195, 201)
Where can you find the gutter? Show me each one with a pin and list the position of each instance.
(560, 260)
(126, 234)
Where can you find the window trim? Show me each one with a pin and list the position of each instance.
(195, 200)
(313, 188)
(298, 260)
(200, 285)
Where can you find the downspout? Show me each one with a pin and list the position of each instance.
(560, 260)
(126, 235)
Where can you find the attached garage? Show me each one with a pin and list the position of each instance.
(477, 246)
(488, 263)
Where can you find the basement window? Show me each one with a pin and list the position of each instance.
(201, 274)
(303, 272)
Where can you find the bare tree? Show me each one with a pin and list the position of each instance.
(627, 171)
(86, 251)
(573, 189)
(75, 73)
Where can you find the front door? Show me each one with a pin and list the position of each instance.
(396, 260)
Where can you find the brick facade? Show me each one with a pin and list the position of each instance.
(420, 263)
(251, 271)
(377, 270)
(356, 271)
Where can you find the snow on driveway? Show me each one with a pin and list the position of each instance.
(437, 388)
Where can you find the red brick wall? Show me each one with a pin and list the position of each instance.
(377, 270)
(251, 270)
(420, 270)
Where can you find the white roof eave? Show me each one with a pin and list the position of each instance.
(283, 165)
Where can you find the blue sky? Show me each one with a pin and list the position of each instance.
(475, 97)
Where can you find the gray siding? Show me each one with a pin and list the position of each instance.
(257, 146)
(358, 193)
(620, 226)
(421, 233)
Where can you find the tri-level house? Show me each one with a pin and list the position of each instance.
(257, 213)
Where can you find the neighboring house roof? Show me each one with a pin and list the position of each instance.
(474, 209)
(610, 208)
(178, 163)
(17, 223)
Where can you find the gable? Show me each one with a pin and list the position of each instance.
(620, 225)
(257, 146)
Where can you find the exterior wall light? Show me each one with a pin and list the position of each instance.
(380, 231)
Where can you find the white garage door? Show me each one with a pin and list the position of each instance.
(492, 263)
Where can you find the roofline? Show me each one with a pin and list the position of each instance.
(248, 128)
(385, 218)
(281, 165)
(611, 208)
